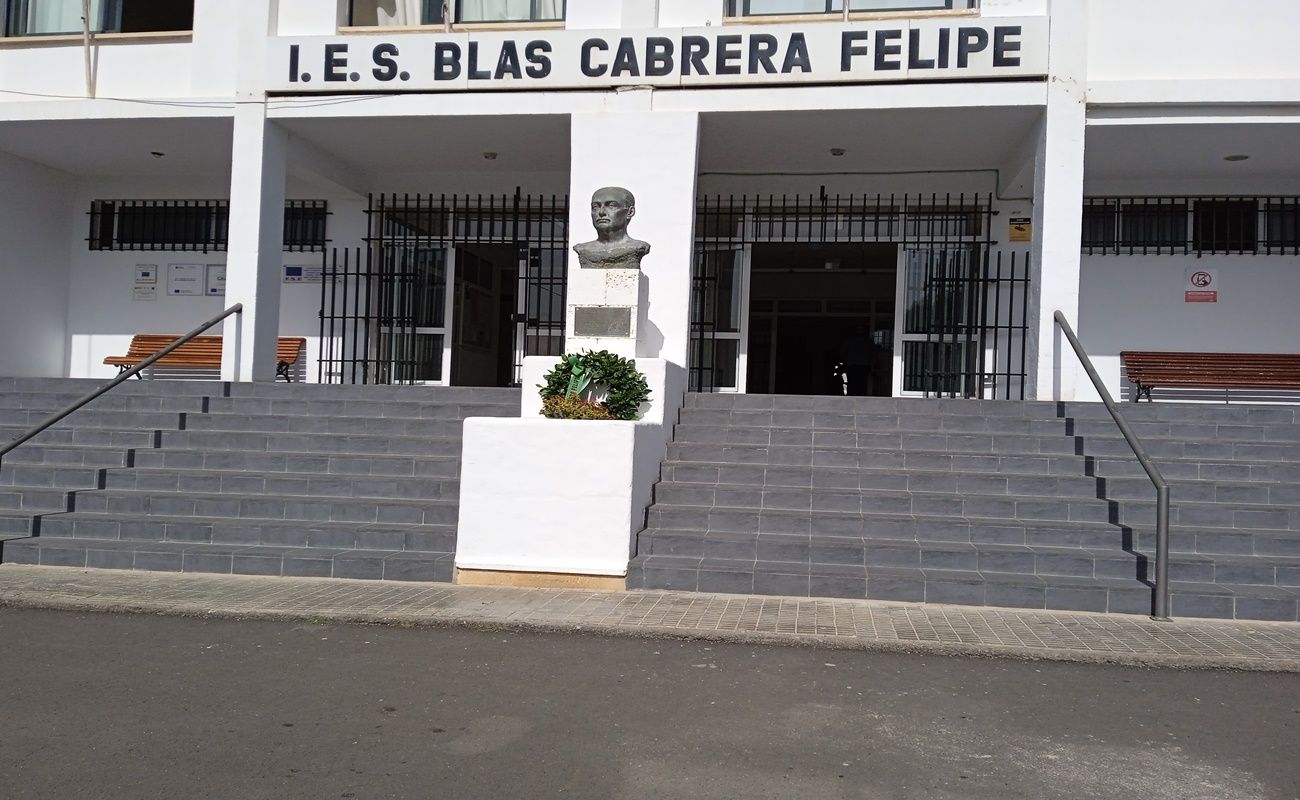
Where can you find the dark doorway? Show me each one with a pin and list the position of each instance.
(483, 342)
(822, 319)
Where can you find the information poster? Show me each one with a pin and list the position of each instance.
(216, 280)
(146, 274)
(144, 294)
(304, 273)
(185, 280)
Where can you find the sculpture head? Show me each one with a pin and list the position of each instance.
(612, 208)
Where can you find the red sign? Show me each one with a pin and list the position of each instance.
(1201, 297)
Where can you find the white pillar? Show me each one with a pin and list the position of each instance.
(653, 155)
(1058, 207)
(253, 264)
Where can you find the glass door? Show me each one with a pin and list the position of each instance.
(412, 338)
(719, 318)
(937, 344)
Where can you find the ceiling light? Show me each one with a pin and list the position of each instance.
(490, 156)
(1237, 157)
(837, 151)
(157, 154)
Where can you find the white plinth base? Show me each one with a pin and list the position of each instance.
(558, 496)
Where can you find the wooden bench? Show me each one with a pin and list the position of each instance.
(1151, 370)
(201, 352)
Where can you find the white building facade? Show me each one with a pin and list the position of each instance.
(891, 200)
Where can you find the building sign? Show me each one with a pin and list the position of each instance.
(216, 280)
(1202, 286)
(893, 50)
(305, 273)
(1021, 229)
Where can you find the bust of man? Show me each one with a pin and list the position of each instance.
(612, 208)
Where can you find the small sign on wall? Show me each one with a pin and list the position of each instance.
(304, 273)
(1022, 229)
(216, 280)
(146, 274)
(1202, 286)
(144, 294)
(185, 280)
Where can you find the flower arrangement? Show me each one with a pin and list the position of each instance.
(594, 385)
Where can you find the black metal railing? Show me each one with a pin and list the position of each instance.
(1223, 225)
(58, 417)
(1160, 605)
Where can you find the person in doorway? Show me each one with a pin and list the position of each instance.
(856, 357)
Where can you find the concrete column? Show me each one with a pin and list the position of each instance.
(1058, 207)
(253, 264)
(654, 156)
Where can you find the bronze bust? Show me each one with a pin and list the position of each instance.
(612, 208)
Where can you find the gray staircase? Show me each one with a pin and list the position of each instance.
(264, 479)
(1037, 505)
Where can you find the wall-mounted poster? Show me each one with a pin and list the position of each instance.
(146, 274)
(303, 273)
(216, 280)
(185, 280)
(144, 293)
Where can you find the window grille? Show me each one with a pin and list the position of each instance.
(1191, 225)
(194, 225)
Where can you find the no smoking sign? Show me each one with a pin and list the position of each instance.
(1202, 286)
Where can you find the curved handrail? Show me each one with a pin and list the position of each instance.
(1160, 610)
(31, 433)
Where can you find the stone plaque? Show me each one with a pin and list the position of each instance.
(602, 321)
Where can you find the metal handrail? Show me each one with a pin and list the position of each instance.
(237, 308)
(1161, 604)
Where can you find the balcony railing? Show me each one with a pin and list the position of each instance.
(770, 8)
(413, 13)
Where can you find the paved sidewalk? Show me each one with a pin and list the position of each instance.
(849, 624)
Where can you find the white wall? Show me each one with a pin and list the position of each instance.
(102, 315)
(1189, 40)
(1136, 303)
(33, 269)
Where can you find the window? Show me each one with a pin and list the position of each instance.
(1225, 226)
(410, 13)
(63, 17)
(193, 225)
(759, 8)
(1181, 225)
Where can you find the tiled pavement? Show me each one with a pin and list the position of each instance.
(850, 624)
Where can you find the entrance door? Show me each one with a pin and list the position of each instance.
(939, 348)
(539, 308)
(719, 324)
(414, 306)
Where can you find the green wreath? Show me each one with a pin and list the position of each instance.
(567, 393)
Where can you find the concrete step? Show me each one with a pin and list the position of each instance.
(227, 531)
(946, 528)
(33, 499)
(15, 524)
(224, 559)
(1182, 412)
(254, 483)
(994, 483)
(307, 423)
(318, 443)
(264, 507)
(1124, 596)
(35, 454)
(51, 402)
(979, 557)
(963, 423)
(79, 436)
(91, 418)
(344, 407)
(52, 477)
(447, 466)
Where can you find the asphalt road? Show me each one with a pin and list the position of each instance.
(134, 707)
